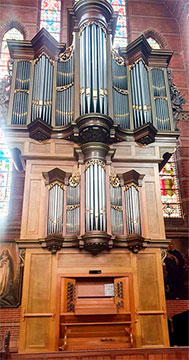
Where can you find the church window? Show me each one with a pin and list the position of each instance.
(153, 43)
(50, 17)
(170, 190)
(5, 175)
(5, 57)
(120, 38)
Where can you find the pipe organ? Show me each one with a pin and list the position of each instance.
(93, 125)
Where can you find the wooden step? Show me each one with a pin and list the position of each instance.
(180, 353)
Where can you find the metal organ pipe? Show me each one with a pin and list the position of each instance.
(140, 94)
(21, 92)
(120, 91)
(132, 209)
(95, 196)
(73, 209)
(116, 209)
(42, 89)
(55, 210)
(160, 99)
(65, 88)
(93, 69)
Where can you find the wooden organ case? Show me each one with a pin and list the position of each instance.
(92, 126)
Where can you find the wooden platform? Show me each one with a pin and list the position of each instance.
(175, 353)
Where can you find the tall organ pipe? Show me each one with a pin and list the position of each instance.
(132, 210)
(160, 99)
(95, 199)
(116, 209)
(120, 91)
(93, 69)
(55, 210)
(42, 89)
(140, 94)
(73, 209)
(22, 86)
(64, 89)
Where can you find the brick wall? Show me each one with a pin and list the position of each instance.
(176, 306)
(182, 157)
(10, 320)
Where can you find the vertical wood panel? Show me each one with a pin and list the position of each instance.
(148, 282)
(34, 207)
(153, 218)
(39, 283)
(151, 333)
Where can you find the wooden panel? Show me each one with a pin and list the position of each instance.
(34, 207)
(141, 151)
(37, 325)
(92, 287)
(148, 286)
(151, 331)
(39, 148)
(37, 334)
(153, 218)
(180, 353)
(88, 261)
(39, 283)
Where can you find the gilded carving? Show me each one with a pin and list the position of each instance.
(67, 54)
(74, 180)
(119, 60)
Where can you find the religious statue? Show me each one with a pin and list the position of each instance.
(6, 272)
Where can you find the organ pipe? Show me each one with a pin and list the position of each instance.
(120, 91)
(116, 208)
(21, 92)
(132, 206)
(42, 89)
(55, 210)
(160, 99)
(140, 94)
(93, 69)
(65, 88)
(73, 209)
(95, 196)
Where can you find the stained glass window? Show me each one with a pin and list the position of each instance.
(5, 175)
(120, 38)
(170, 190)
(50, 17)
(5, 57)
(153, 43)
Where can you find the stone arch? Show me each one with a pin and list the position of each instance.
(156, 36)
(13, 24)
